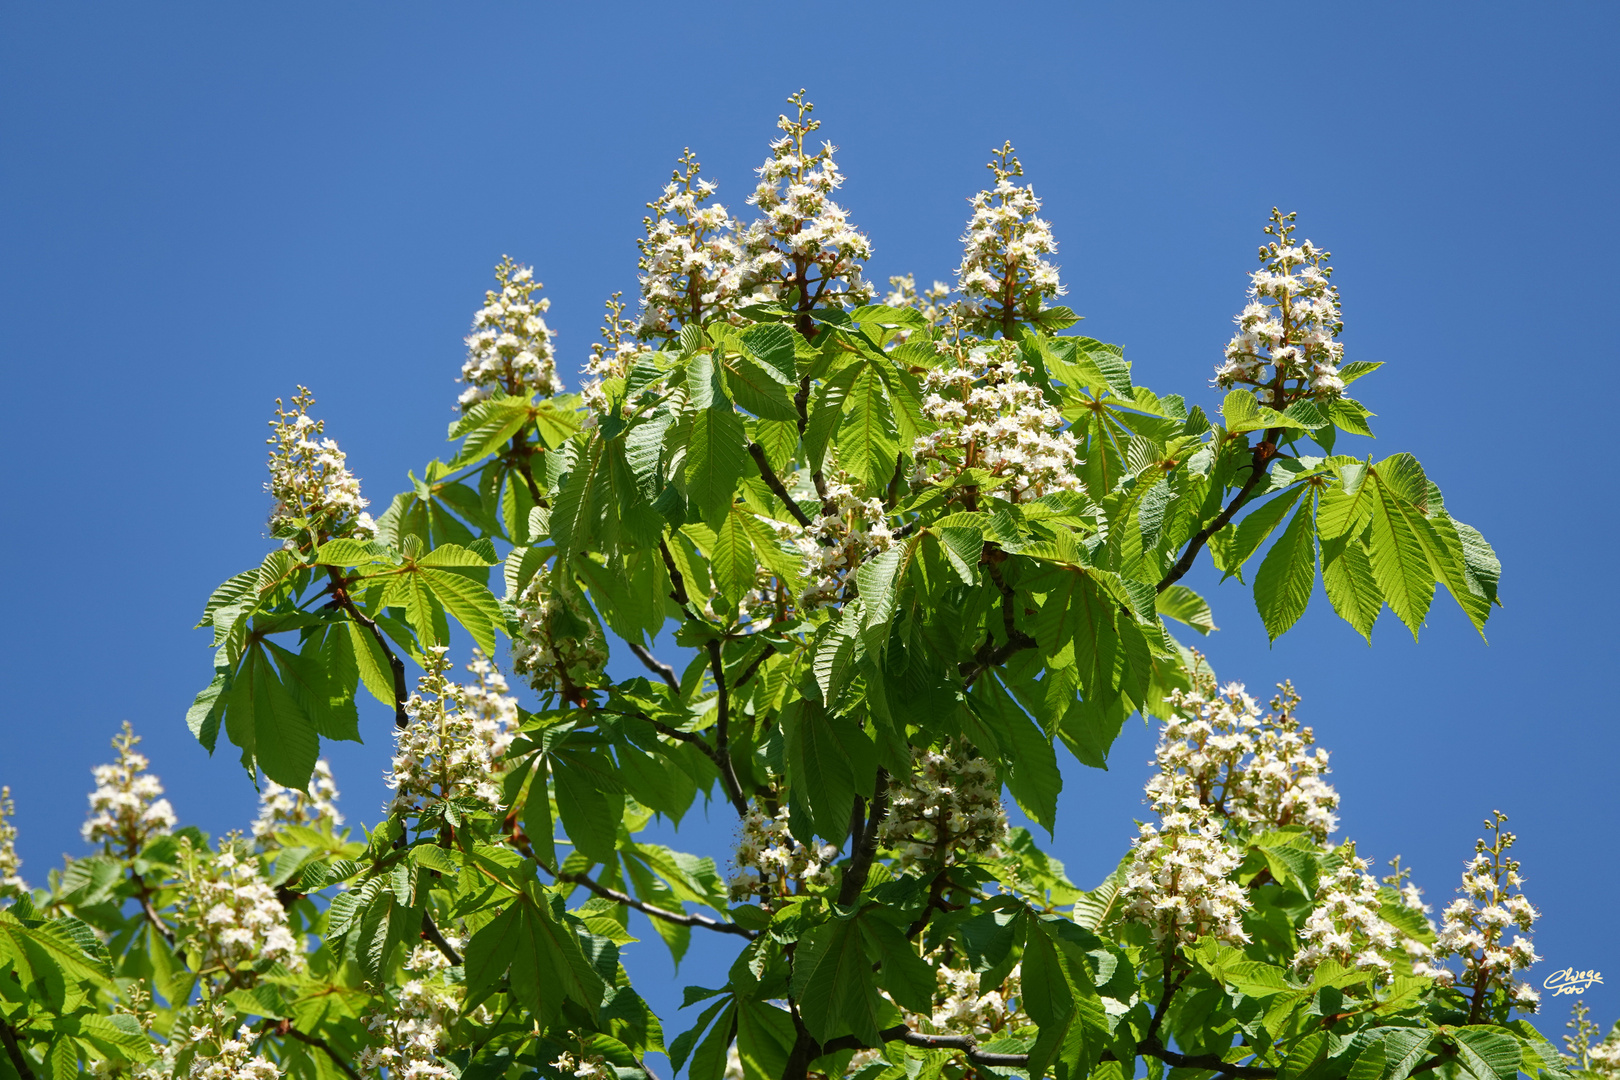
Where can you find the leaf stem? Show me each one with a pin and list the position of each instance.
(402, 694)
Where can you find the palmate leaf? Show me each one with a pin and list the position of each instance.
(1399, 560)
(1348, 577)
(716, 458)
(867, 442)
(542, 954)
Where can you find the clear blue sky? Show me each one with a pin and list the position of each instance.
(202, 205)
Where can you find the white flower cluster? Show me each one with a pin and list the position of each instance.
(232, 1056)
(585, 1065)
(125, 811)
(611, 358)
(558, 647)
(11, 882)
(1291, 322)
(930, 303)
(960, 1009)
(458, 736)
(949, 809)
(1344, 924)
(1179, 881)
(509, 350)
(229, 913)
(848, 531)
(411, 1031)
(770, 863)
(987, 417)
(1004, 277)
(1257, 771)
(691, 262)
(309, 480)
(280, 807)
(1474, 925)
(1588, 1049)
(803, 228)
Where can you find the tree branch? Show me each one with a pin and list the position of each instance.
(656, 666)
(722, 730)
(901, 1033)
(734, 795)
(774, 482)
(19, 1061)
(656, 912)
(316, 1040)
(865, 843)
(402, 693)
(1264, 451)
(430, 933)
(990, 655)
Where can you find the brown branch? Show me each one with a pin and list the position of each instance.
(656, 666)
(8, 1036)
(1264, 451)
(430, 934)
(734, 795)
(748, 673)
(936, 902)
(677, 583)
(774, 482)
(402, 693)
(1212, 1062)
(144, 894)
(515, 455)
(989, 654)
(316, 1040)
(865, 846)
(901, 1033)
(656, 912)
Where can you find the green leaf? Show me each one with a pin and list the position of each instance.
(732, 558)
(867, 442)
(1185, 606)
(285, 743)
(1400, 564)
(473, 606)
(542, 955)
(1243, 413)
(771, 344)
(1282, 588)
(1487, 1051)
(716, 458)
(1233, 545)
(834, 985)
(829, 760)
(1348, 577)
(758, 390)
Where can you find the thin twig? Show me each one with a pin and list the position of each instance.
(654, 911)
(722, 730)
(316, 1040)
(1263, 453)
(430, 932)
(774, 482)
(402, 693)
(656, 666)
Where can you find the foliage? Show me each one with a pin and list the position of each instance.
(910, 553)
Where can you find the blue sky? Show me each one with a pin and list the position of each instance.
(202, 205)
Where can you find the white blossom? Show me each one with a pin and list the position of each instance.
(931, 303)
(11, 883)
(229, 914)
(948, 809)
(280, 807)
(848, 531)
(219, 1052)
(408, 1033)
(986, 416)
(804, 240)
(455, 745)
(1004, 276)
(1344, 924)
(692, 265)
(558, 647)
(125, 810)
(509, 350)
(310, 482)
(1291, 323)
(1179, 879)
(1588, 1049)
(770, 864)
(1474, 926)
(1258, 771)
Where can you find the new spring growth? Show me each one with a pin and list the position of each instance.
(316, 495)
(691, 262)
(509, 350)
(1004, 277)
(804, 243)
(1285, 347)
(125, 808)
(1474, 926)
(456, 743)
(1588, 1049)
